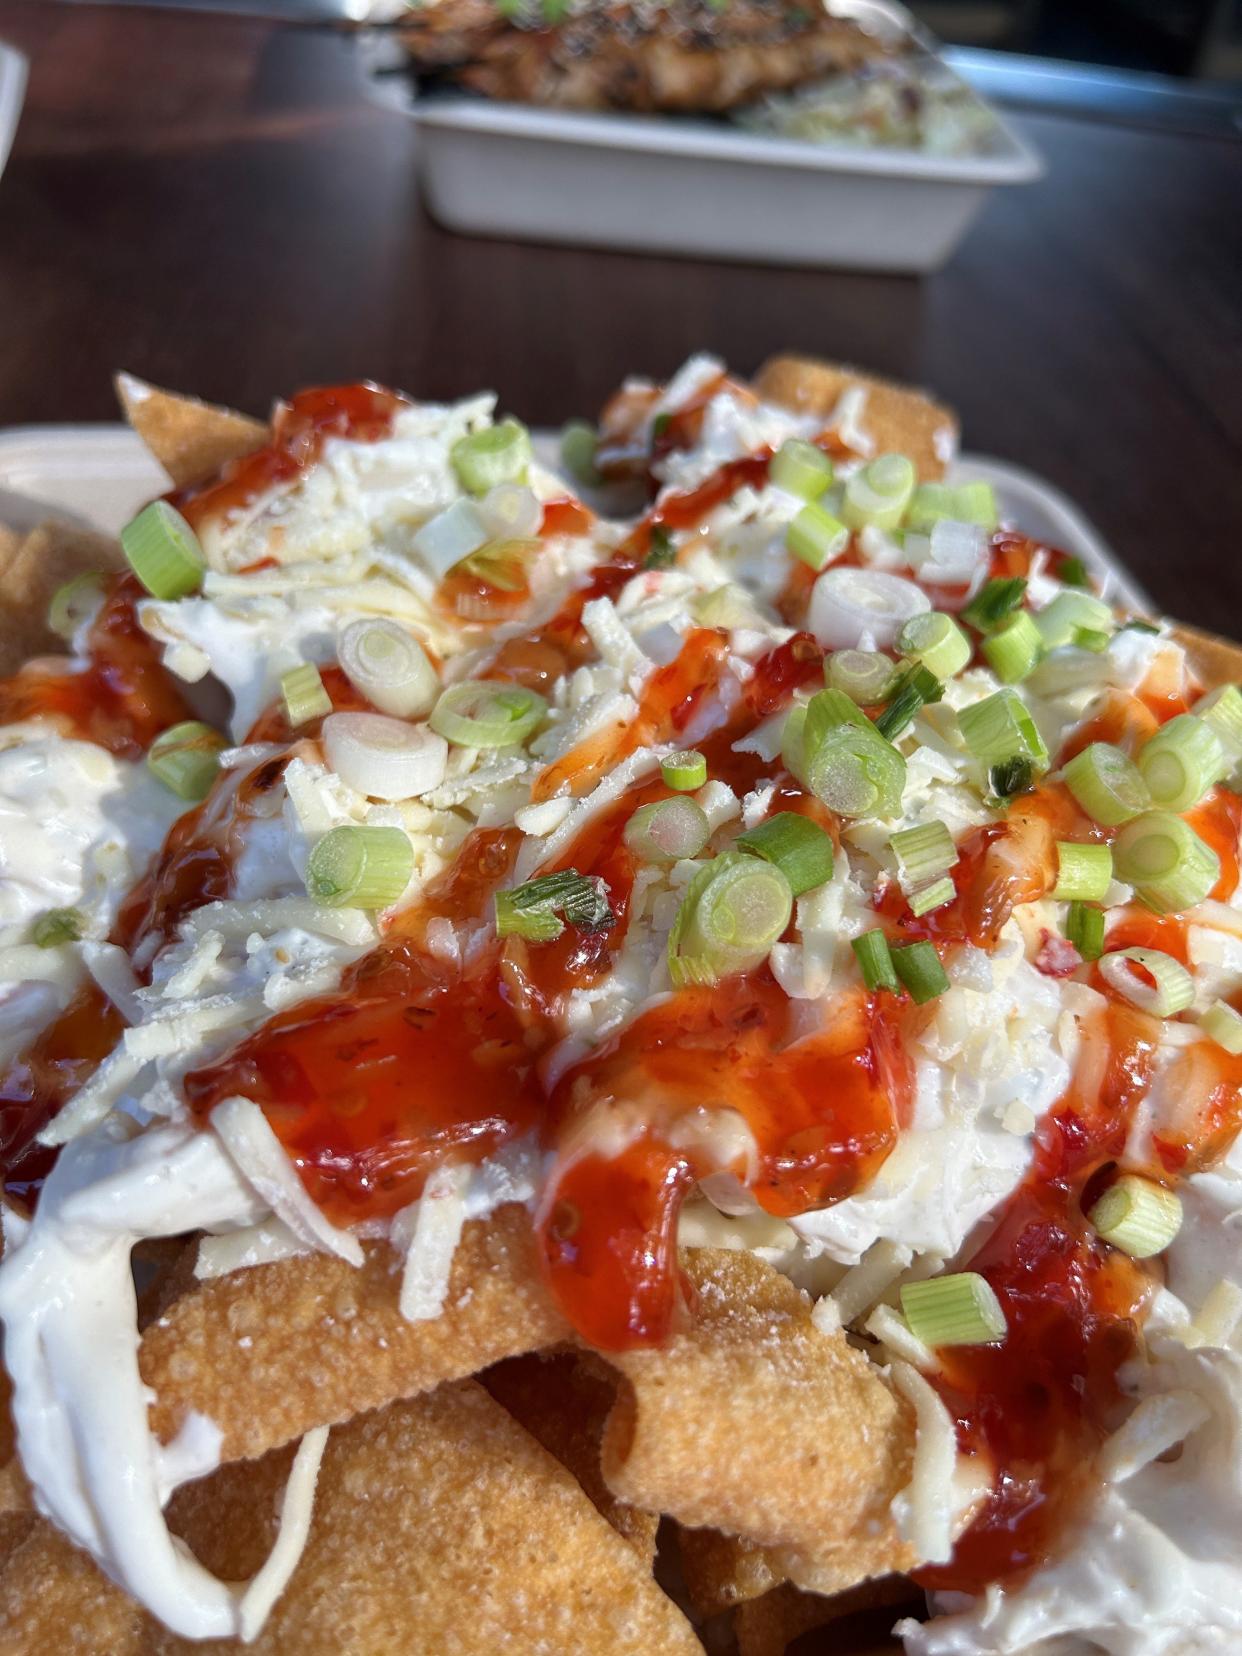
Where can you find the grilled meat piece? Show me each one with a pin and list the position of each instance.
(683, 55)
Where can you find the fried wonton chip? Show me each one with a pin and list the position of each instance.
(563, 1398)
(269, 1352)
(30, 572)
(192, 440)
(439, 1526)
(752, 1421)
(898, 420)
(768, 1626)
(1215, 660)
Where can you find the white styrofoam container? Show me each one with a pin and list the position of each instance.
(681, 185)
(12, 91)
(100, 475)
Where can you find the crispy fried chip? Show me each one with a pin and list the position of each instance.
(192, 440)
(325, 1341)
(440, 1527)
(563, 1398)
(899, 420)
(767, 1626)
(753, 1422)
(723, 1571)
(30, 572)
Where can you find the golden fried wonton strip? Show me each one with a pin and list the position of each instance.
(324, 1341)
(192, 440)
(1215, 660)
(767, 1626)
(440, 1527)
(898, 419)
(30, 572)
(752, 1421)
(563, 1398)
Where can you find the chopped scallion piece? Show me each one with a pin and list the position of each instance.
(919, 968)
(668, 830)
(1009, 779)
(1181, 762)
(935, 641)
(1224, 1025)
(487, 713)
(304, 695)
(1084, 872)
(360, 867)
(57, 926)
(1165, 861)
(866, 676)
(1108, 785)
(801, 469)
(1088, 638)
(975, 503)
(661, 550)
(1222, 709)
(163, 551)
(74, 602)
(579, 442)
(734, 910)
(503, 564)
(684, 772)
(1069, 612)
(1000, 727)
(928, 505)
(932, 896)
(1171, 990)
(923, 853)
(914, 690)
(797, 846)
(957, 1310)
(1084, 928)
(995, 600)
(533, 911)
(186, 758)
(1073, 573)
(499, 454)
(875, 962)
(816, 536)
(878, 494)
(390, 667)
(1137, 1216)
(1014, 648)
(832, 747)
(1135, 625)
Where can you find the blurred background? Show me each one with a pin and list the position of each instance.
(226, 199)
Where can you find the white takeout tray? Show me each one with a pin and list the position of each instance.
(12, 92)
(99, 476)
(700, 187)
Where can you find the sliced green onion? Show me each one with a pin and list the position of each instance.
(1135, 625)
(1009, 779)
(500, 454)
(389, 667)
(579, 442)
(684, 772)
(534, 910)
(1221, 1022)
(801, 469)
(918, 966)
(1073, 573)
(668, 830)
(1172, 989)
(878, 494)
(1014, 649)
(1137, 1216)
(842, 758)
(1084, 872)
(932, 896)
(797, 846)
(1108, 785)
(1060, 621)
(1000, 727)
(359, 867)
(1084, 928)
(163, 551)
(57, 926)
(866, 676)
(1222, 709)
(1165, 861)
(74, 603)
(995, 600)
(513, 514)
(734, 910)
(937, 642)
(186, 758)
(485, 713)
(975, 503)
(816, 536)
(503, 564)
(923, 853)
(956, 1310)
(661, 548)
(914, 690)
(1087, 638)
(875, 961)
(1181, 762)
(304, 695)
(928, 505)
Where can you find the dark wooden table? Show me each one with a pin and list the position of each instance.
(215, 204)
